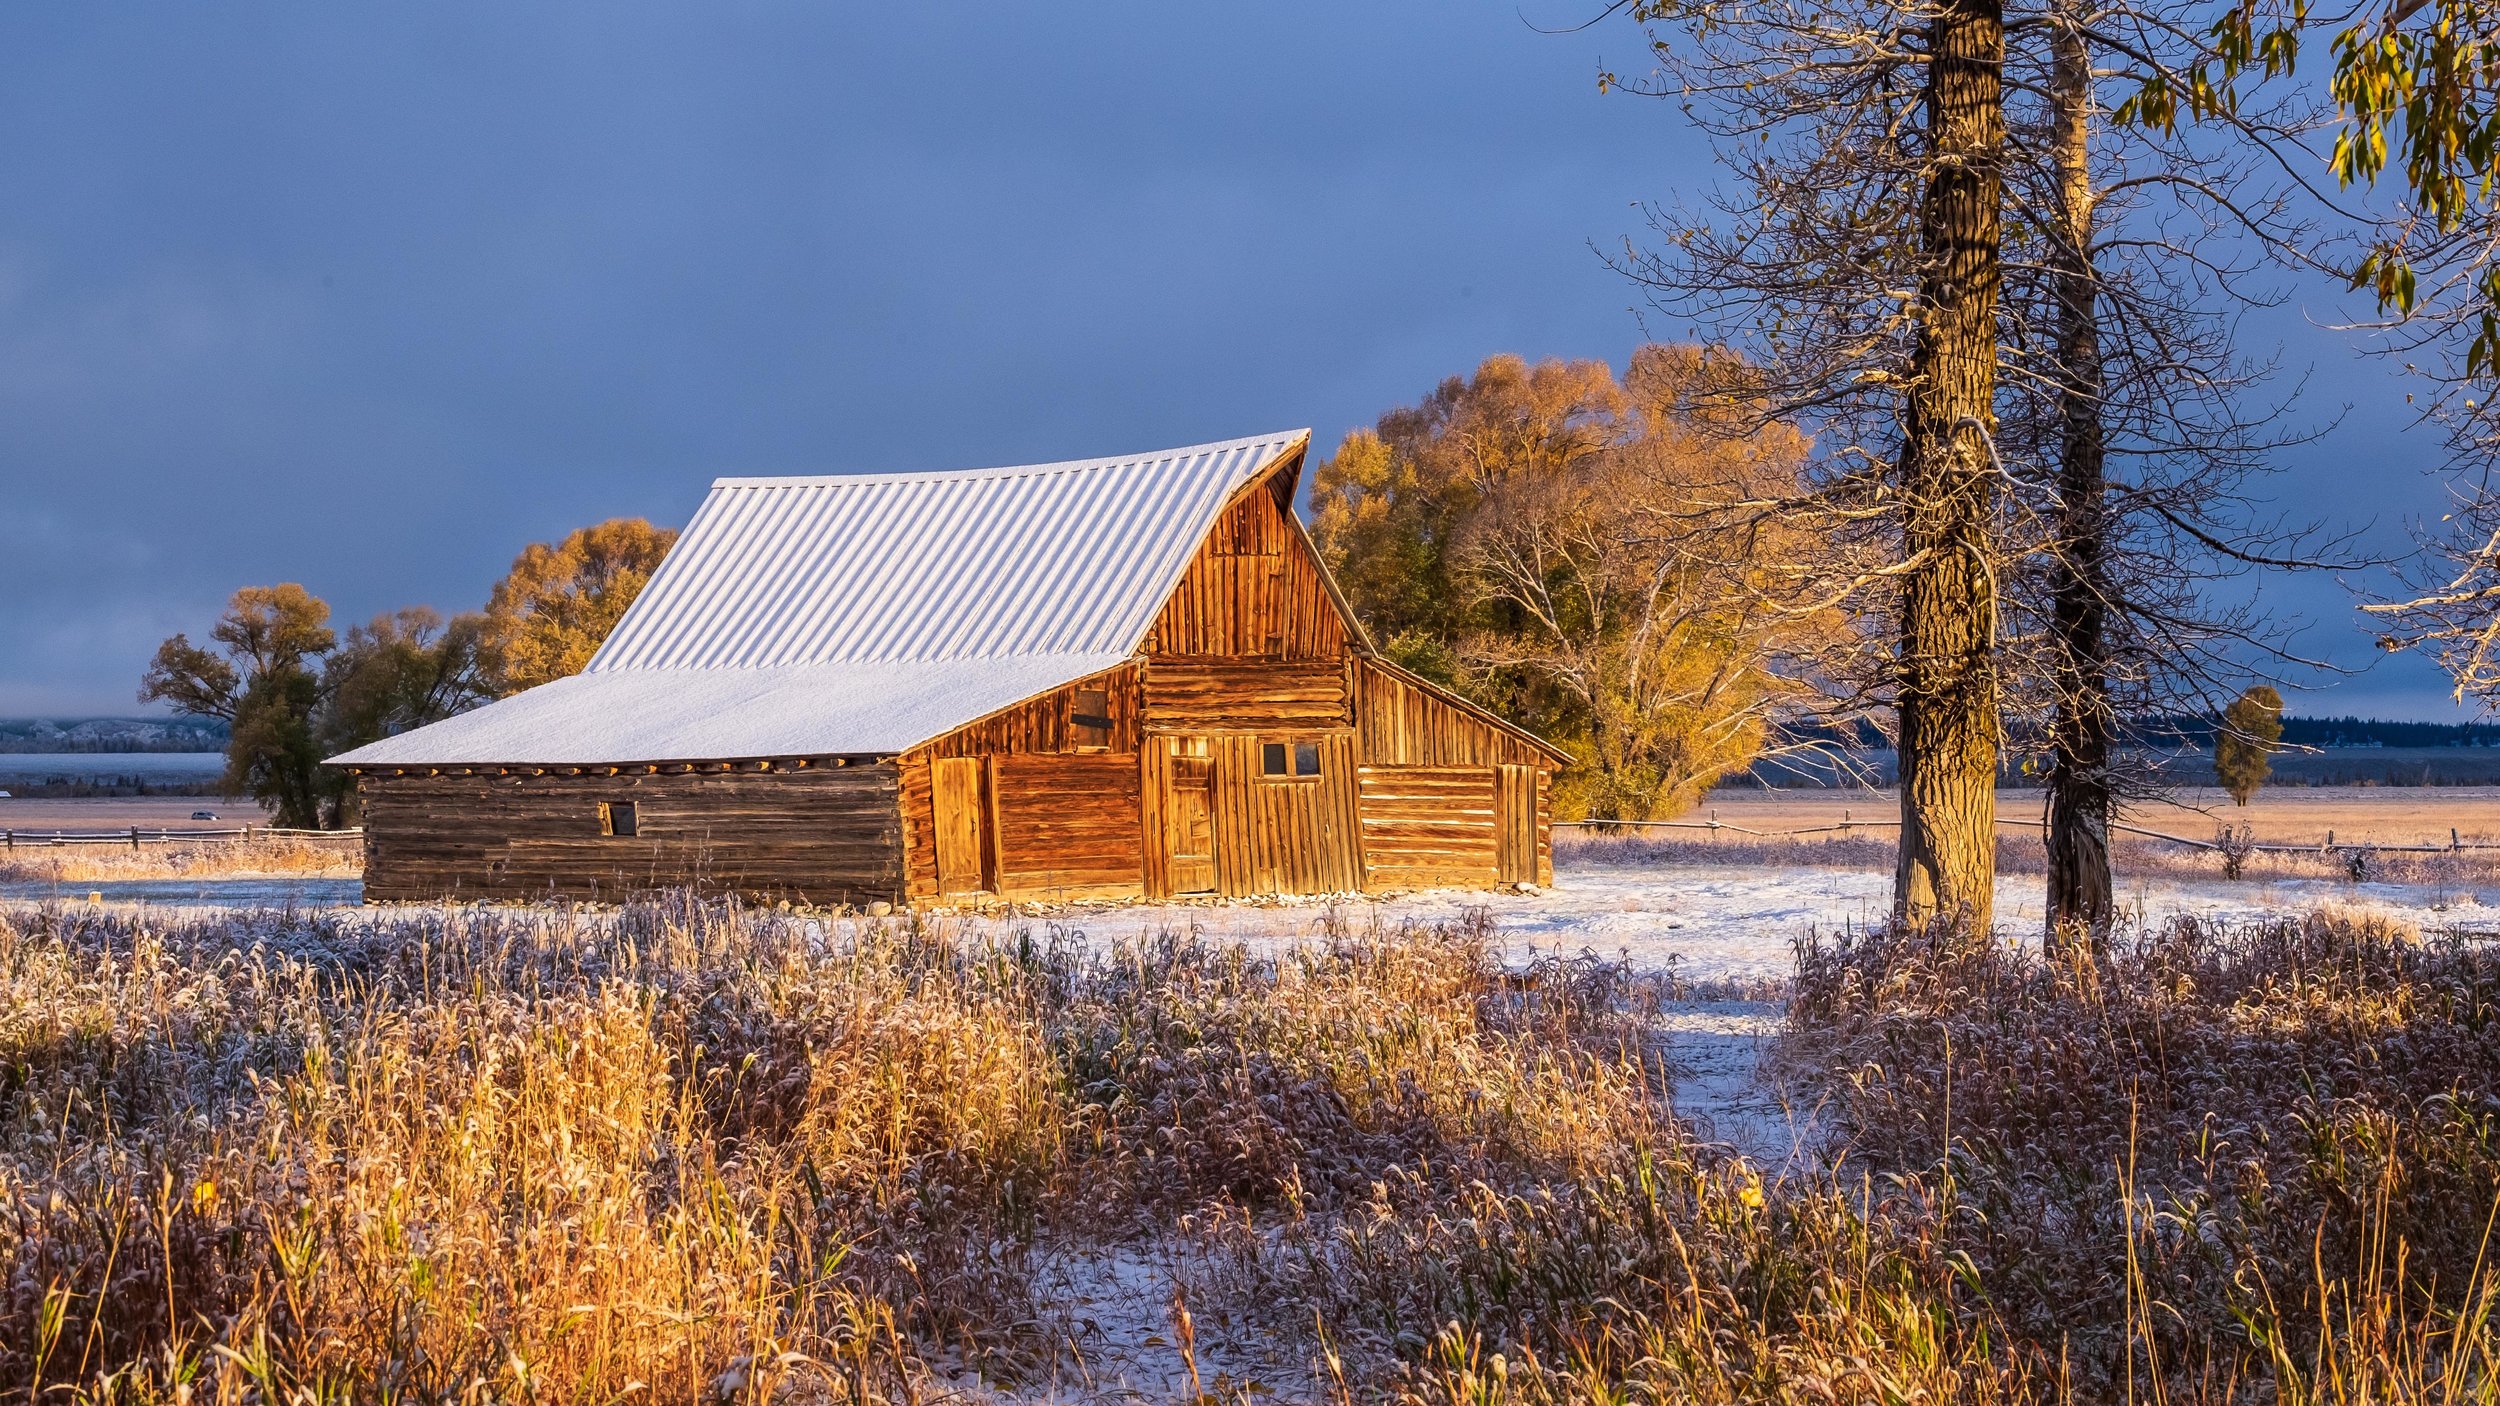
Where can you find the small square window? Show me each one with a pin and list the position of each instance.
(616, 818)
(1090, 720)
(1285, 760)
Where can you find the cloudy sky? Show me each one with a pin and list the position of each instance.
(367, 297)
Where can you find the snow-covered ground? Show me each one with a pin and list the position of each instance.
(1711, 921)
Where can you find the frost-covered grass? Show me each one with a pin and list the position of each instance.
(689, 1152)
(2133, 857)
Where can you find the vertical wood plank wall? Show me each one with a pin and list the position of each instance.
(1097, 798)
(1253, 591)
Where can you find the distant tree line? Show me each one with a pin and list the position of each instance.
(292, 690)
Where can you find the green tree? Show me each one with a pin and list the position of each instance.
(2245, 744)
(550, 613)
(261, 678)
(398, 671)
(295, 692)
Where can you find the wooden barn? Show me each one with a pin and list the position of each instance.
(1114, 678)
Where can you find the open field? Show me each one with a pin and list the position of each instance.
(686, 1154)
(122, 812)
(2292, 815)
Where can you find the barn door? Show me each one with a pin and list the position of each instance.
(1514, 824)
(1189, 826)
(962, 804)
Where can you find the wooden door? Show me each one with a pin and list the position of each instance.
(1189, 826)
(1514, 824)
(961, 803)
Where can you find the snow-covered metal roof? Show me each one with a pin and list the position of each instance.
(1072, 558)
(676, 715)
(868, 613)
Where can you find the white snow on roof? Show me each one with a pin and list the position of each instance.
(867, 613)
(662, 715)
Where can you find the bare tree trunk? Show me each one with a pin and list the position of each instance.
(1947, 663)
(2082, 733)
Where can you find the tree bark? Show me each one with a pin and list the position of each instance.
(1947, 683)
(2082, 732)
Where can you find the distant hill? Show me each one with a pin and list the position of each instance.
(20, 735)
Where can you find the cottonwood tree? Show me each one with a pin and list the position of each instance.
(552, 610)
(295, 692)
(398, 671)
(2134, 245)
(1857, 263)
(261, 679)
(2415, 85)
(1538, 535)
(1838, 264)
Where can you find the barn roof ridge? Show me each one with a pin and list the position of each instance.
(1278, 438)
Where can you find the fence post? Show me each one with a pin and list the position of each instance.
(134, 837)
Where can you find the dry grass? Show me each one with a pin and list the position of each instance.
(2132, 857)
(676, 1148)
(2250, 1164)
(685, 1152)
(255, 856)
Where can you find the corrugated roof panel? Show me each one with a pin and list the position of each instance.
(995, 563)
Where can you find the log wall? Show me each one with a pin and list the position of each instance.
(1429, 827)
(1244, 695)
(828, 834)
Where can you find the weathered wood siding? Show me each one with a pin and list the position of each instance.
(1069, 827)
(1064, 817)
(1044, 724)
(1404, 725)
(1245, 695)
(1272, 835)
(1429, 827)
(827, 834)
(1254, 590)
(1524, 842)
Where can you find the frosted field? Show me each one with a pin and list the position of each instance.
(1710, 921)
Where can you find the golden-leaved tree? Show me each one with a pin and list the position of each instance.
(1553, 541)
(551, 611)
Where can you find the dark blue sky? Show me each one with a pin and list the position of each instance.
(369, 296)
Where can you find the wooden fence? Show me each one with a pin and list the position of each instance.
(137, 836)
(1848, 825)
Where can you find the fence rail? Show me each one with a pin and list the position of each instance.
(2329, 846)
(138, 835)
